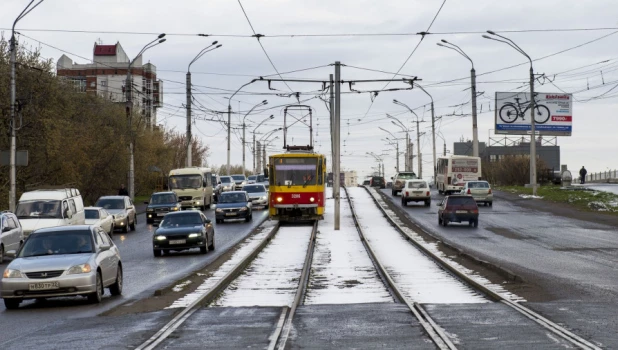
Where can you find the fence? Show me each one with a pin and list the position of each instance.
(603, 176)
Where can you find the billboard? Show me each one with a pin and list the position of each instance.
(553, 113)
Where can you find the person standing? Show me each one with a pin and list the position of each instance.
(123, 191)
(582, 175)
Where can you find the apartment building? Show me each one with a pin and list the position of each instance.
(106, 76)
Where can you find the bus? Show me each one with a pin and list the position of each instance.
(454, 171)
(193, 186)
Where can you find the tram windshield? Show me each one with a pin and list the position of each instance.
(296, 171)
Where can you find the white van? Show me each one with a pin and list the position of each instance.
(193, 186)
(49, 208)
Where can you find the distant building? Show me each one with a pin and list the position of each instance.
(346, 178)
(107, 77)
(547, 149)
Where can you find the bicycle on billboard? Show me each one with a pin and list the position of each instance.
(510, 111)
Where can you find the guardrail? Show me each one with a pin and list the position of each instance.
(603, 176)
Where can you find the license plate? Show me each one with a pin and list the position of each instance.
(161, 214)
(461, 211)
(43, 286)
(178, 241)
(417, 192)
(230, 214)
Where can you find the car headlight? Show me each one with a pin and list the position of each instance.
(10, 273)
(175, 208)
(219, 210)
(81, 268)
(160, 238)
(263, 198)
(243, 209)
(194, 235)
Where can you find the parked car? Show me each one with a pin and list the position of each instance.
(458, 208)
(399, 180)
(257, 194)
(415, 191)
(161, 203)
(183, 230)
(11, 233)
(239, 181)
(377, 181)
(480, 191)
(99, 216)
(224, 184)
(234, 205)
(122, 208)
(63, 261)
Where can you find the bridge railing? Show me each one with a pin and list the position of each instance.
(603, 176)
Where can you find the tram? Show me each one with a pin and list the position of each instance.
(297, 179)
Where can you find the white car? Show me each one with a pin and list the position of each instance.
(99, 216)
(415, 191)
(11, 233)
(480, 191)
(258, 195)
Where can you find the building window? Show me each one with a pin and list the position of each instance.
(103, 82)
(78, 84)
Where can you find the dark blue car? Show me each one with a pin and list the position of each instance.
(184, 230)
(160, 204)
(234, 205)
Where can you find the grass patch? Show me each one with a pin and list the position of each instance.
(140, 199)
(581, 198)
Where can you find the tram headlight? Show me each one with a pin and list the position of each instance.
(311, 199)
(279, 199)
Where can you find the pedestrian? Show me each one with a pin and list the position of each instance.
(582, 175)
(123, 191)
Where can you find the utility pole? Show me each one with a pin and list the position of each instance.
(229, 127)
(189, 143)
(418, 149)
(254, 169)
(258, 146)
(336, 131)
(533, 134)
(475, 130)
(444, 149)
(411, 155)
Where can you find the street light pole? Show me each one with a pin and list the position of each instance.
(475, 132)
(13, 123)
(243, 133)
(188, 83)
(408, 155)
(418, 136)
(512, 44)
(129, 110)
(229, 121)
(396, 147)
(255, 152)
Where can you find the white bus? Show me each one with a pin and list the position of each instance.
(193, 186)
(454, 171)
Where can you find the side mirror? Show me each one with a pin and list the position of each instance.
(146, 202)
(207, 221)
(68, 214)
(104, 247)
(219, 183)
(392, 178)
(6, 229)
(130, 207)
(10, 253)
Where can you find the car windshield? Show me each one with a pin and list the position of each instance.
(238, 177)
(232, 198)
(188, 219)
(179, 182)
(366, 182)
(39, 209)
(167, 198)
(478, 185)
(461, 201)
(57, 243)
(252, 177)
(91, 213)
(225, 179)
(417, 185)
(110, 203)
(406, 176)
(213, 179)
(377, 180)
(254, 188)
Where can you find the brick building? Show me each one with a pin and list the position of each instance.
(107, 77)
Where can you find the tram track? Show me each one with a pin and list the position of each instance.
(547, 324)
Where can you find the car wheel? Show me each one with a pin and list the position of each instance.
(248, 218)
(476, 223)
(132, 226)
(491, 203)
(116, 288)
(428, 203)
(393, 193)
(444, 222)
(212, 245)
(403, 202)
(204, 249)
(97, 295)
(439, 221)
(157, 252)
(12, 304)
(1, 253)
(125, 228)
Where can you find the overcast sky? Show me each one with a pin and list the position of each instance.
(241, 59)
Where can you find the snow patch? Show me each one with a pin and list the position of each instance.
(598, 206)
(181, 286)
(528, 196)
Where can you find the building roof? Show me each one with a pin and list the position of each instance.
(104, 50)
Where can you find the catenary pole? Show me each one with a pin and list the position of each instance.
(336, 135)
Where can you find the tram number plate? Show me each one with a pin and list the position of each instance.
(295, 195)
(44, 286)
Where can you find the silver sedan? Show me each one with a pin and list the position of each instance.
(63, 261)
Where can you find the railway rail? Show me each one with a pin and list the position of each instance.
(547, 324)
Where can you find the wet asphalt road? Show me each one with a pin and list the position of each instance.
(143, 273)
(573, 261)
